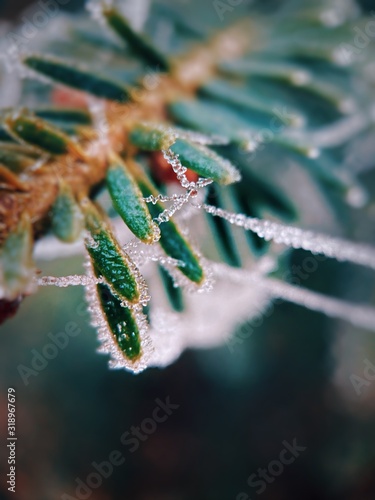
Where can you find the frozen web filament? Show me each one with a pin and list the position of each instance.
(358, 315)
(294, 237)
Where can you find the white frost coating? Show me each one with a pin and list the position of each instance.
(177, 205)
(65, 281)
(142, 287)
(173, 159)
(108, 344)
(295, 237)
(202, 324)
(180, 280)
(246, 293)
(141, 254)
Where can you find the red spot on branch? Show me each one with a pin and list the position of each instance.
(8, 308)
(163, 172)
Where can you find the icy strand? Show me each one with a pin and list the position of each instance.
(189, 211)
(65, 281)
(152, 254)
(148, 253)
(161, 259)
(180, 172)
(163, 199)
(142, 254)
(141, 283)
(294, 237)
(180, 202)
(181, 281)
(131, 246)
(166, 214)
(359, 315)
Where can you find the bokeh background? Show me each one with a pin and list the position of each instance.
(290, 379)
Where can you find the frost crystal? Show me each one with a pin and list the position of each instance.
(179, 202)
(65, 281)
(180, 172)
(108, 344)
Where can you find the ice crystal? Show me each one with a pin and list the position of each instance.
(108, 344)
(179, 202)
(180, 170)
(65, 281)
